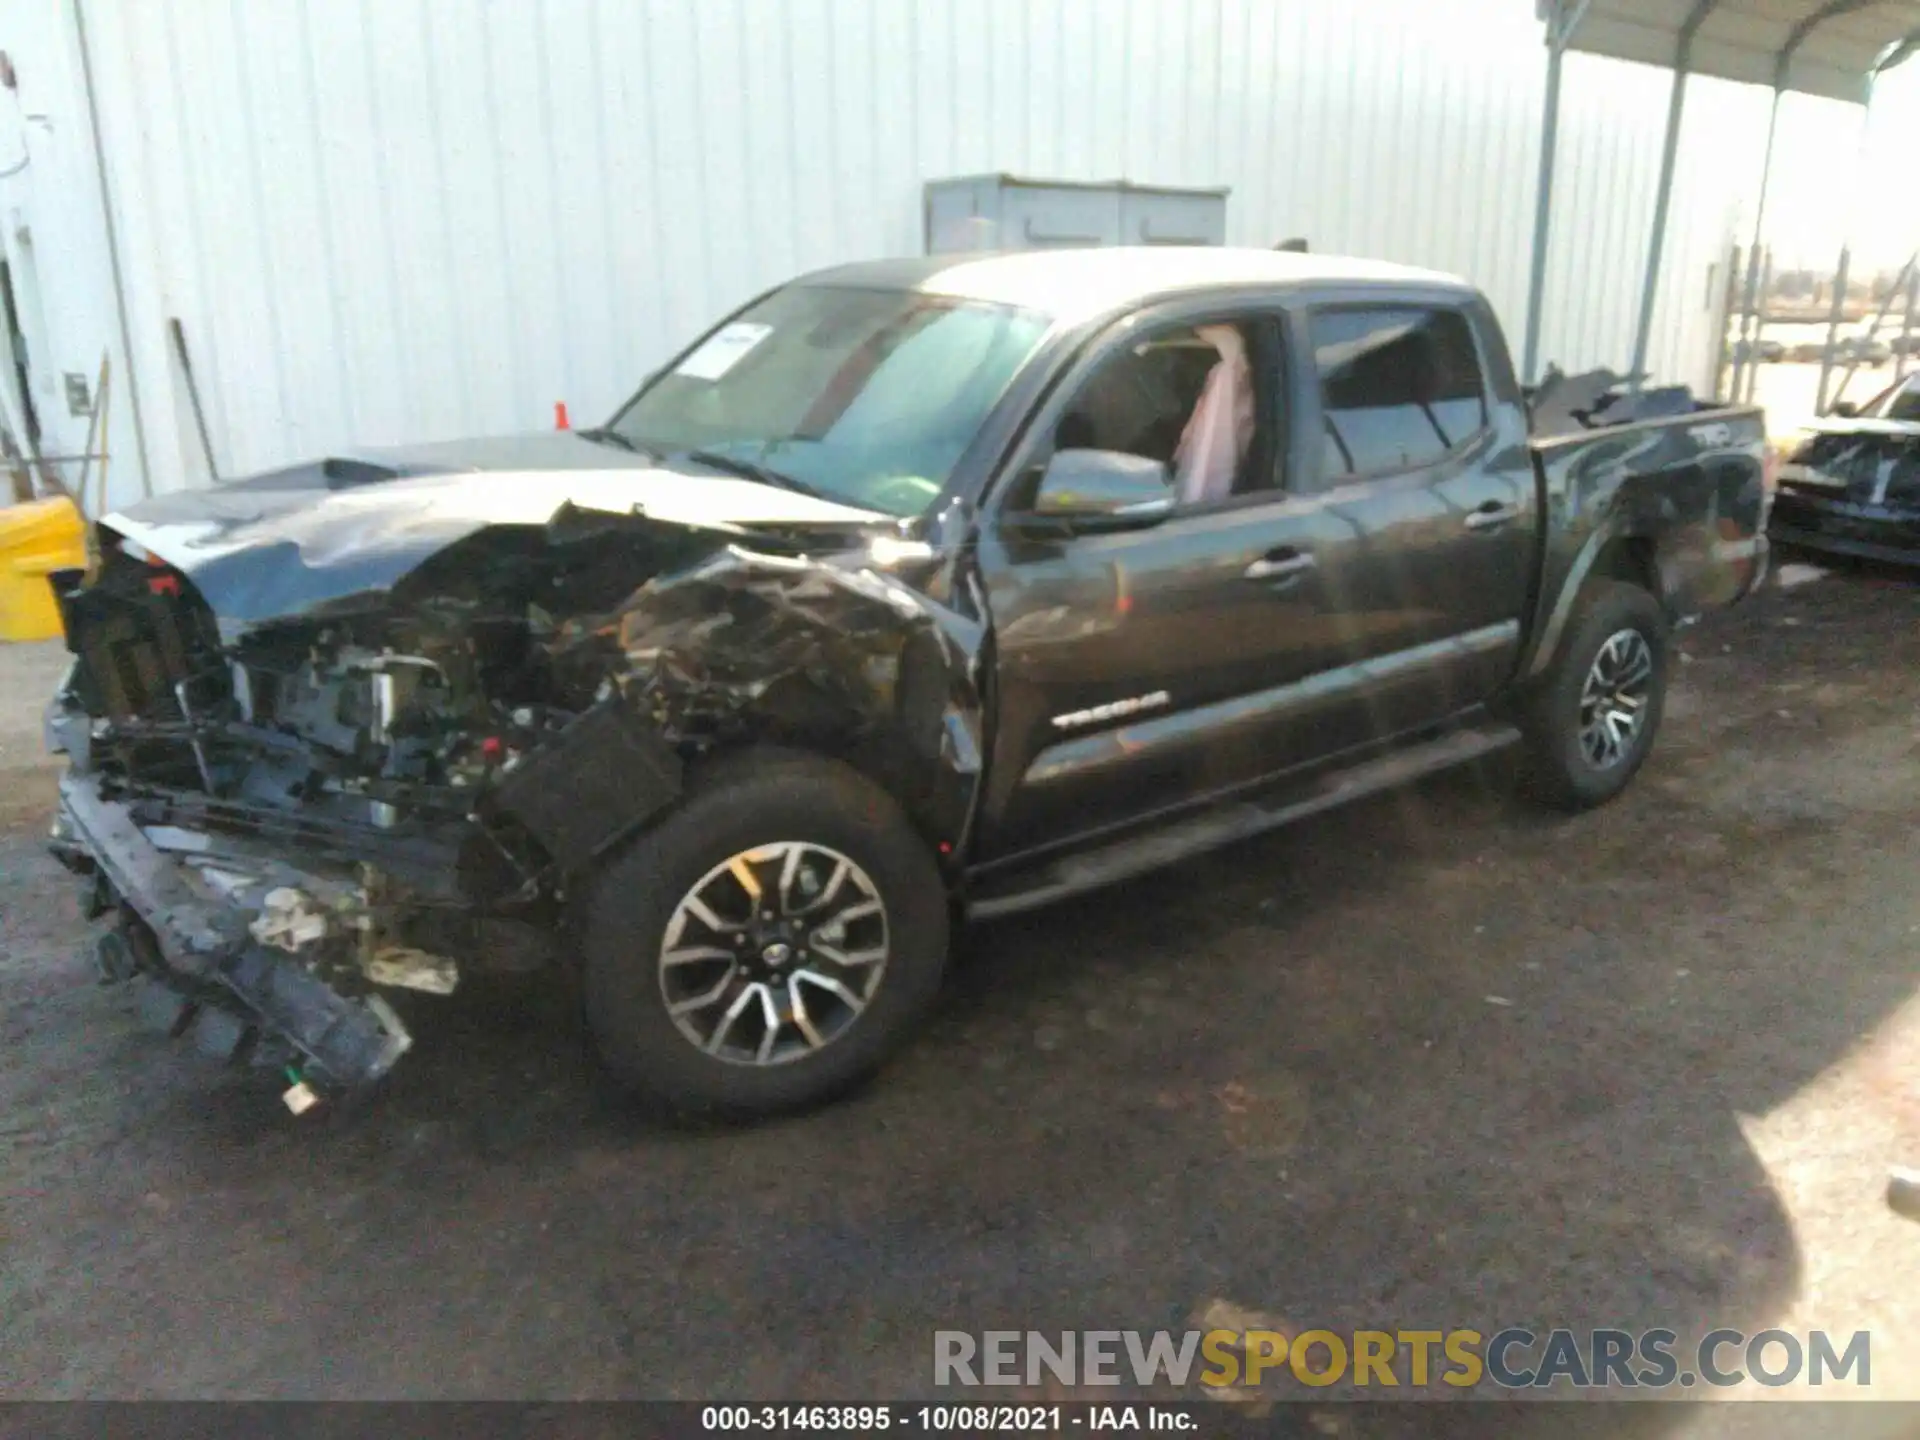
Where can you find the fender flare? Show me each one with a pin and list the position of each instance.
(1553, 625)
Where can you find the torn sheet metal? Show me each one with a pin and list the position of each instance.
(328, 724)
(835, 653)
(197, 939)
(1852, 487)
(408, 969)
(1600, 399)
(289, 920)
(304, 542)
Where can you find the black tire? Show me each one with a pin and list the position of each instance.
(758, 798)
(1561, 771)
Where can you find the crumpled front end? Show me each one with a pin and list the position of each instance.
(281, 830)
(251, 952)
(290, 820)
(1853, 490)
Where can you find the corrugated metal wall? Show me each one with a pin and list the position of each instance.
(388, 220)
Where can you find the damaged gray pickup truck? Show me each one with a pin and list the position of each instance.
(913, 592)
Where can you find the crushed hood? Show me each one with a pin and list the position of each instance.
(1865, 425)
(314, 536)
(1870, 462)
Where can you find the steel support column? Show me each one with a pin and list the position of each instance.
(1907, 324)
(1759, 322)
(1561, 26)
(1899, 55)
(113, 253)
(1907, 274)
(1743, 347)
(1669, 156)
(1837, 311)
(1782, 73)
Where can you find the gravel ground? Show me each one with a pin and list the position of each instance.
(1438, 1060)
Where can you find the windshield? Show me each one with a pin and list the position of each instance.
(1899, 402)
(866, 396)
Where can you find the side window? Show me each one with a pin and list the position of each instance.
(1197, 399)
(1399, 387)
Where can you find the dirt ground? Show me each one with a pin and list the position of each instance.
(1439, 1060)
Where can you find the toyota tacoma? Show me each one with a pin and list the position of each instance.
(912, 593)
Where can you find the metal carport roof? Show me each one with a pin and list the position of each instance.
(1832, 49)
(1829, 48)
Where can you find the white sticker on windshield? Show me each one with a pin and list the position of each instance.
(724, 349)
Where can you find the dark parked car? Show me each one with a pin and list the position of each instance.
(1848, 350)
(914, 591)
(1860, 350)
(1771, 352)
(1852, 485)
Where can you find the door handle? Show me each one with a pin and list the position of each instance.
(1491, 515)
(1280, 565)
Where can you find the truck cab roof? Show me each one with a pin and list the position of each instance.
(1071, 284)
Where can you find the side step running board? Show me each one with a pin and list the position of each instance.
(1137, 854)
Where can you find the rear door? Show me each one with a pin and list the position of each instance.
(1424, 466)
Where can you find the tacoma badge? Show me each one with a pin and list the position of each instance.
(1113, 710)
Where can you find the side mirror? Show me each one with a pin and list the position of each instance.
(1101, 490)
(1844, 410)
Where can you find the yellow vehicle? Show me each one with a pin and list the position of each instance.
(37, 538)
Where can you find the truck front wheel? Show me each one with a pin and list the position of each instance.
(1592, 721)
(768, 944)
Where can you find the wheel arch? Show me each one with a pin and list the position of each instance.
(922, 750)
(837, 657)
(1626, 552)
(738, 801)
(1554, 718)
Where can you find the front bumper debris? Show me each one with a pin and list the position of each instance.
(202, 954)
(1887, 533)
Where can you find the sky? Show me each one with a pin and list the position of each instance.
(1823, 185)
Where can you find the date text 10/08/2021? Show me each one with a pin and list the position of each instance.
(937, 1419)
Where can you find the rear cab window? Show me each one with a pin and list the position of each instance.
(1401, 388)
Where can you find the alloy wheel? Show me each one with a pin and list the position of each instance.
(774, 953)
(1614, 699)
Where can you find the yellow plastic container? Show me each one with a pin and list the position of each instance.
(36, 539)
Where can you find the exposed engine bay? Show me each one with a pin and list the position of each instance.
(402, 782)
(1869, 466)
(1852, 487)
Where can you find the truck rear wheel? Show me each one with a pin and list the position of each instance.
(768, 944)
(1592, 721)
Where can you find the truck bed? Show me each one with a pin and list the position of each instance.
(1679, 501)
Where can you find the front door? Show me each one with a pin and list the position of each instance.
(1136, 671)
